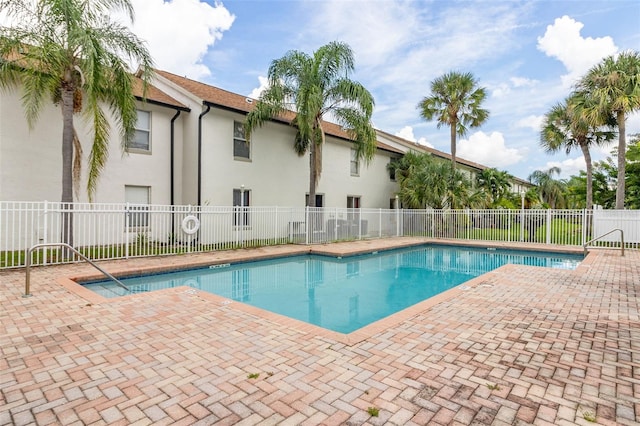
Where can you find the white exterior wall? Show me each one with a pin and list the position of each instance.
(276, 175)
(372, 184)
(151, 169)
(31, 160)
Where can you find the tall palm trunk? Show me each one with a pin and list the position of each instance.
(622, 148)
(587, 159)
(452, 181)
(312, 174)
(67, 165)
(454, 125)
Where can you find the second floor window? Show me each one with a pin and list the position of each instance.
(355, 163)
(241, 147)
(392, 170)
(142, 136)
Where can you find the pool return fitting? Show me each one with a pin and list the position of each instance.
(27, 283)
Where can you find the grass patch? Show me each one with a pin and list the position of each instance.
(373, 411)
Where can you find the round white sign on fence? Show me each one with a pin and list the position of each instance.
(190, 224)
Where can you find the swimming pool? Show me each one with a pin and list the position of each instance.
(341, 294)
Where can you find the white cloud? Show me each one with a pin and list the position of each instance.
(489, 150)
(180, 32)
(264, 83)
(503, 89)
(568, 167)
(633, 124)
(533, 122)
(522, 82)
(407, 133)
(563, 41)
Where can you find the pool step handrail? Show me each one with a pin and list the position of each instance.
(585, 245)
(27, 283)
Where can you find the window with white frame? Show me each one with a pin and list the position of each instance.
(355, 163)
(137, 199)
(241, 146)
(353, 202)
(241, 200)
(142, 135)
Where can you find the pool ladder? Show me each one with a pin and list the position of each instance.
(27, 283)
(585, 245)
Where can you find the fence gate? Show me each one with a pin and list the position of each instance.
(606, 220)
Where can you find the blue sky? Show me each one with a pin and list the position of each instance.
(525, 53)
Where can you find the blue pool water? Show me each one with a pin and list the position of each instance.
(341, 294)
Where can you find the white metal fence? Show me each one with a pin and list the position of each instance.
(113, 231)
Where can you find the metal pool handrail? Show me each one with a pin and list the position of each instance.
(604, 235)
(27, 283)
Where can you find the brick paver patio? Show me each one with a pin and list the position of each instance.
(522, 345)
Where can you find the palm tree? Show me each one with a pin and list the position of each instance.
(455, 101)
(565, 127)
(495, 183)
(71, 53)
(424, 181)
(550, 190)
(312, 87)
(615, 86)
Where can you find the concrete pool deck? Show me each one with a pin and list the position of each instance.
(523, 345)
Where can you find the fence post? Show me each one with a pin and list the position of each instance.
(432, 222)
(584, 227)
(45, 230)
(468, 219)
(548, 226)
(126, 230)
(306, 225)
(276, 233)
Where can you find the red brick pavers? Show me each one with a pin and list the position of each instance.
(522, 345)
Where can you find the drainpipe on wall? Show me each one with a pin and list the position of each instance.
(173, 119)
(171, 167)
(202, 114)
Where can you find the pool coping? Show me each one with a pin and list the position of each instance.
(334, 250)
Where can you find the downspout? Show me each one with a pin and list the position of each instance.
(202, 114)
(171, 167)
(173, 119)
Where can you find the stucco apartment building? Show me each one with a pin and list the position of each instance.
(190, 149)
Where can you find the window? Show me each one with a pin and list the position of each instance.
(142, 136)
(353, 203)
(241, 147)
(355, 163)
(319, 200)
(137, 198)
(241, 200)
(392, 169)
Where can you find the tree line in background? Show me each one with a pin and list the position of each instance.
(592, 115)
